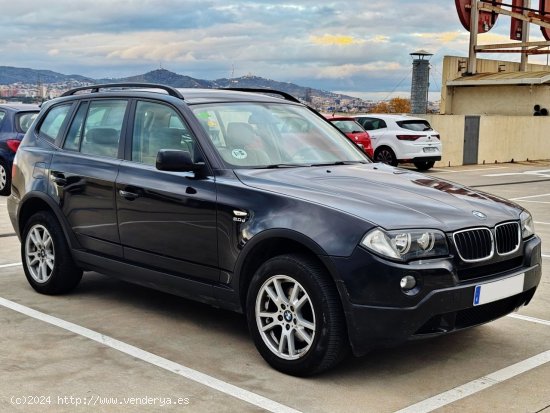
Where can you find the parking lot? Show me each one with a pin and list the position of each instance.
(112, 346)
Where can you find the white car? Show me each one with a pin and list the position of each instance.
(399, 139)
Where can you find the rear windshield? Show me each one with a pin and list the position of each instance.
(415, 125)
(348, 126)
(24, 120)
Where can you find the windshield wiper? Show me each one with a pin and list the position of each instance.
(285, 165)
(339, 163)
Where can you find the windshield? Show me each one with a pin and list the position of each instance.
(24, 120)
(260, 135)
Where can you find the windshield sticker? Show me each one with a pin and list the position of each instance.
(239, 153)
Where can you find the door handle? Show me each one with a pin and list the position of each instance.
(130, 196)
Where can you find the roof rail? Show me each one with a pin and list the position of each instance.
(286, 96)
(95, 88)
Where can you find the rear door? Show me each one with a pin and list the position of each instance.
(83, 173)
(167, 219)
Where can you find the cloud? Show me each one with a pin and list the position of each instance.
(335, 40)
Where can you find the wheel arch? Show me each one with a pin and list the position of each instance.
(37, 201)
(269, 244)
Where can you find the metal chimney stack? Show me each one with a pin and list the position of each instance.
(420, 81)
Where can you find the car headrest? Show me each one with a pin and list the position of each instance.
(103, 136)
(240, 134)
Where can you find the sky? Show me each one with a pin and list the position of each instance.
(360, 46)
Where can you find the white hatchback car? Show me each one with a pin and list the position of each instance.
(399, 139)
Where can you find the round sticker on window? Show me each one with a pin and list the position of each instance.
(239, 153)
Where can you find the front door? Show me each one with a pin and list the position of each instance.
(167, 220)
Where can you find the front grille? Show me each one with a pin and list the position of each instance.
(507, 238)
(474, 244)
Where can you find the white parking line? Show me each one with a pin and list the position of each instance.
(188, 373)
(529, 197)
(542, 172)
(477, 385)
(15, 264)
(531, 319)
(545, 255)
(467, 170)
(542, 223)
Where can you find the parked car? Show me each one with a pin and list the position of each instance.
(15, 119)
(203, 194)
(354, 131)
(400, 139)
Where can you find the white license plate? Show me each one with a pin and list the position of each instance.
(497, 290)
(429, 150)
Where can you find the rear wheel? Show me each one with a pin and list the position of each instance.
(424, 165)
(5, 178)
(295, 316)
(46, 256)
(385, 155)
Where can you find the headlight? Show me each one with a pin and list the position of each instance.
(527, 225)
(407, 244)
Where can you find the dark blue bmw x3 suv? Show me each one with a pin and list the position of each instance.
(214, 195)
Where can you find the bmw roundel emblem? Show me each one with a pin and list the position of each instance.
(479, 215)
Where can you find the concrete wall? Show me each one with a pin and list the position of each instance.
(501, 138)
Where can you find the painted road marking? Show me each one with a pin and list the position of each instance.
(545, 255)
(467, 170)
(15, 264)
(542, 223)
(529, 197)
(477, 385)
(181, 370)
(543, 172)
(531, 319)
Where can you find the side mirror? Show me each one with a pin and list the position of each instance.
(176, 161)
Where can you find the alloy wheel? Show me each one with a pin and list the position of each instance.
(39, 253)
(3, 177)
(285, 317)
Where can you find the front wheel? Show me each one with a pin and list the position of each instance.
(424, 165)
(295, 316)
(46, 256)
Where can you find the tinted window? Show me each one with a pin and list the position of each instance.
(156, 127)
(103, 127)
(415, 125)
(372, 123)
(24, 120)
(52, 124)
(2, 116)
(72, 142)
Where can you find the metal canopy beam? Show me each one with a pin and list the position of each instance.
(534, 18)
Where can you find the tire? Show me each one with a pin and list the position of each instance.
(385, 155)
(316, 329)
(46, 257)
(424, 165)
(5, 178)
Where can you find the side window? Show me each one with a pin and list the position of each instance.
(156, 127)
(2, 116)
(102, 128)
(74, 136)
(24, 120)
(373, 123)
(54, 121)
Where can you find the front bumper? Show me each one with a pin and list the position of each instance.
(380, 314)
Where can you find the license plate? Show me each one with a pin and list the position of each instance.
(497, 290)
(429, 150)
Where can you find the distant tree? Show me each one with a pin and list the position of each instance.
(395, 105)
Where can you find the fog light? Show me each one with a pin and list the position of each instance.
(408, 282)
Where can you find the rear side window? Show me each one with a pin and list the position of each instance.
(2, 116)
(102, 127)
(414, 125)
(24, 120)
(372, 123)
(52, 125)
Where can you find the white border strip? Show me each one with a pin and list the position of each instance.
(440, 171)
(531, 319)
(478, 385)
(15, 264)
(528, 197)
(545, 255)
(188, 373)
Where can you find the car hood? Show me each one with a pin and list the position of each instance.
(386, 196)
